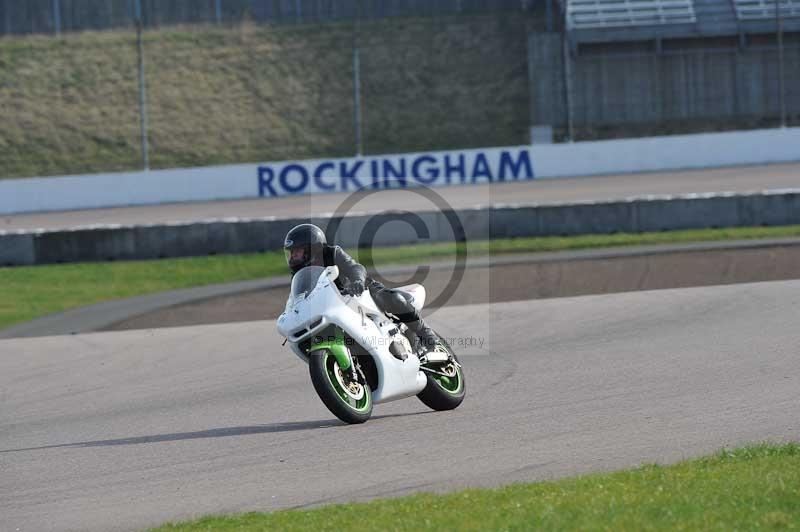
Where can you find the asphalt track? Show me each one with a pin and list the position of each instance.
(123, 430)
(733, 179)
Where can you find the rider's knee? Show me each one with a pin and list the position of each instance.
(392, 301)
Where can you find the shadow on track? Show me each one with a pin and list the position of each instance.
(212, 433)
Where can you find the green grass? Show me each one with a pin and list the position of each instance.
(750, 488)
(552, 243)
(35, 291)
(32, 292)
(244, 93)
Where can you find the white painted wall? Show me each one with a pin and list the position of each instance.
(668, 153)
(323, 175)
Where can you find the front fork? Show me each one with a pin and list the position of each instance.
(341, 353)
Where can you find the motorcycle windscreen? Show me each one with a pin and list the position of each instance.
(305, 280)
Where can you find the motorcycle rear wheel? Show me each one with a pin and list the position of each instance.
(444, 393)
(351, 402)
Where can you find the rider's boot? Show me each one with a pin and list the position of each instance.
(426, 336)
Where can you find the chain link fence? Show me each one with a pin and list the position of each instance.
(160, 95)
(207, 94)
(55, 16)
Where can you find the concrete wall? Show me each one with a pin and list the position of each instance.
(274, 179)
(649, 87)
(432, 169)
(667, 153)
(217, 237)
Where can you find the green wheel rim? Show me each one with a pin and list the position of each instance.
(361, 405)
(451, 385)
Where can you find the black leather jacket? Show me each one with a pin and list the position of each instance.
(349, 269)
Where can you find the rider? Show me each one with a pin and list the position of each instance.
(305, 245)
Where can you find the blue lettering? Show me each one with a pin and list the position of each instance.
(374, 165)
(394, 172)
(318, 176)
(284, 178)
(481, 168)
(431, 171)
(522, 163)
(265, 177)
(350, 174)
(451, 169)
(397, 175)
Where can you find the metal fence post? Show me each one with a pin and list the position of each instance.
(531, 95)
(7, 13)
(357, 98)
(781, 81)
(357, 80)
(142, 88)
(57, 16)
(218, 10)
(568, 86)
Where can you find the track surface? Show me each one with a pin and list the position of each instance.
(735, 179)
(128, 429)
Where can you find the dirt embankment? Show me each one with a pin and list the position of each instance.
(243, 93)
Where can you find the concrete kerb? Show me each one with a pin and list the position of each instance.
(209, 237)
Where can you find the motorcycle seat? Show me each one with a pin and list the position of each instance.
(417, 294)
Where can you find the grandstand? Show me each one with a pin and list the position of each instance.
(603, 21)
(762, 9)
(645, 67)
(587, 14)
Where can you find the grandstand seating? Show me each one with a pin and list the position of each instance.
(765, 9)
(588, 14)
(608, 21)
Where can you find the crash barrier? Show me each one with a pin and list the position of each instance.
(430, 169)
(398, 228)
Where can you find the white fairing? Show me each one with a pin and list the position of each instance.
(361, 319)
(417, 293)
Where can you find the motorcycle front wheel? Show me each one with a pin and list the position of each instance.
(348, 400)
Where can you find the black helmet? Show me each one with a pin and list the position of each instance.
(303, 246)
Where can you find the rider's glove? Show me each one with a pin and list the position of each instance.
(354, 288)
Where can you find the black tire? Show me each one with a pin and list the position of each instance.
(440, 396)
(321, 367)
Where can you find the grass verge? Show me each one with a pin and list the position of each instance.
(249, 93)
(31, 292)
(750, 488)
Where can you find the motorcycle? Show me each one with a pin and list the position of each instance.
(357, 355)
